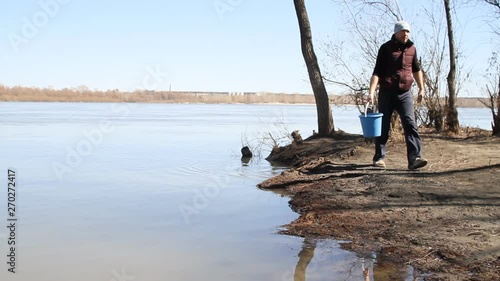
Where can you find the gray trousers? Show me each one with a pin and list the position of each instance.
(388, 101)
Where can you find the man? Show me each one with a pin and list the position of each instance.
(395, 70)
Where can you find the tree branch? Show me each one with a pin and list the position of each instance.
(495, 3)
(347, 85)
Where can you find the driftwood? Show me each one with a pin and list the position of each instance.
(297, 138)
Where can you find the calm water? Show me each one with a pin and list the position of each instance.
(119, 192)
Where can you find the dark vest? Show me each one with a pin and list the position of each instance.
(398, 74)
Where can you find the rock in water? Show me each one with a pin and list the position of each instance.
(246, 152)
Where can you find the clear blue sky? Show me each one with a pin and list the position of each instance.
(255, 46)
(252, 46)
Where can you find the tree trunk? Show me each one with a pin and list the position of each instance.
(325, 117)
(495, 126)
(452, 115)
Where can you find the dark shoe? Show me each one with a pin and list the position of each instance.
(417, 164)
(379, 163)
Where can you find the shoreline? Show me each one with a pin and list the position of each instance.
(442, 220)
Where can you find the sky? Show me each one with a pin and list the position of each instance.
(190, 45)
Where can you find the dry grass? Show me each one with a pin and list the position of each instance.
(83, 94)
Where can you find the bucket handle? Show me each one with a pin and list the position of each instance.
(366, 108)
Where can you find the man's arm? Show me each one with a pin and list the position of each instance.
(380, 65)
(419, 78)
(373, 87)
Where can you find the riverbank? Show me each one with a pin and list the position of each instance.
(442, 220)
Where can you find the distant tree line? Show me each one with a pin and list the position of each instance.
(84, 94)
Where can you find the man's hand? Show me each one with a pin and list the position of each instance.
(370, 98)
(420, 96)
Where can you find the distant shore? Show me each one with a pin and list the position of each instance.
(83, 94)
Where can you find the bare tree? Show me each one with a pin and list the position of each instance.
(325, 117)
(493, 76)
(434, 62)
(495, 101)
(452, 123)
(495, 3)
(352, 70)
(434, 65)
(496, 6)
(493, 91)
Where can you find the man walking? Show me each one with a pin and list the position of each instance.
(395, 70)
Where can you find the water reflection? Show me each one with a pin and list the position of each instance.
(383, 270)
(282, 192)
(245, 161)
(369, 268)
(305, 257)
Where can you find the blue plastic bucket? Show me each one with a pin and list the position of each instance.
(371, 124)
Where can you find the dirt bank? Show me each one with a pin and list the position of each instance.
(443, 220)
